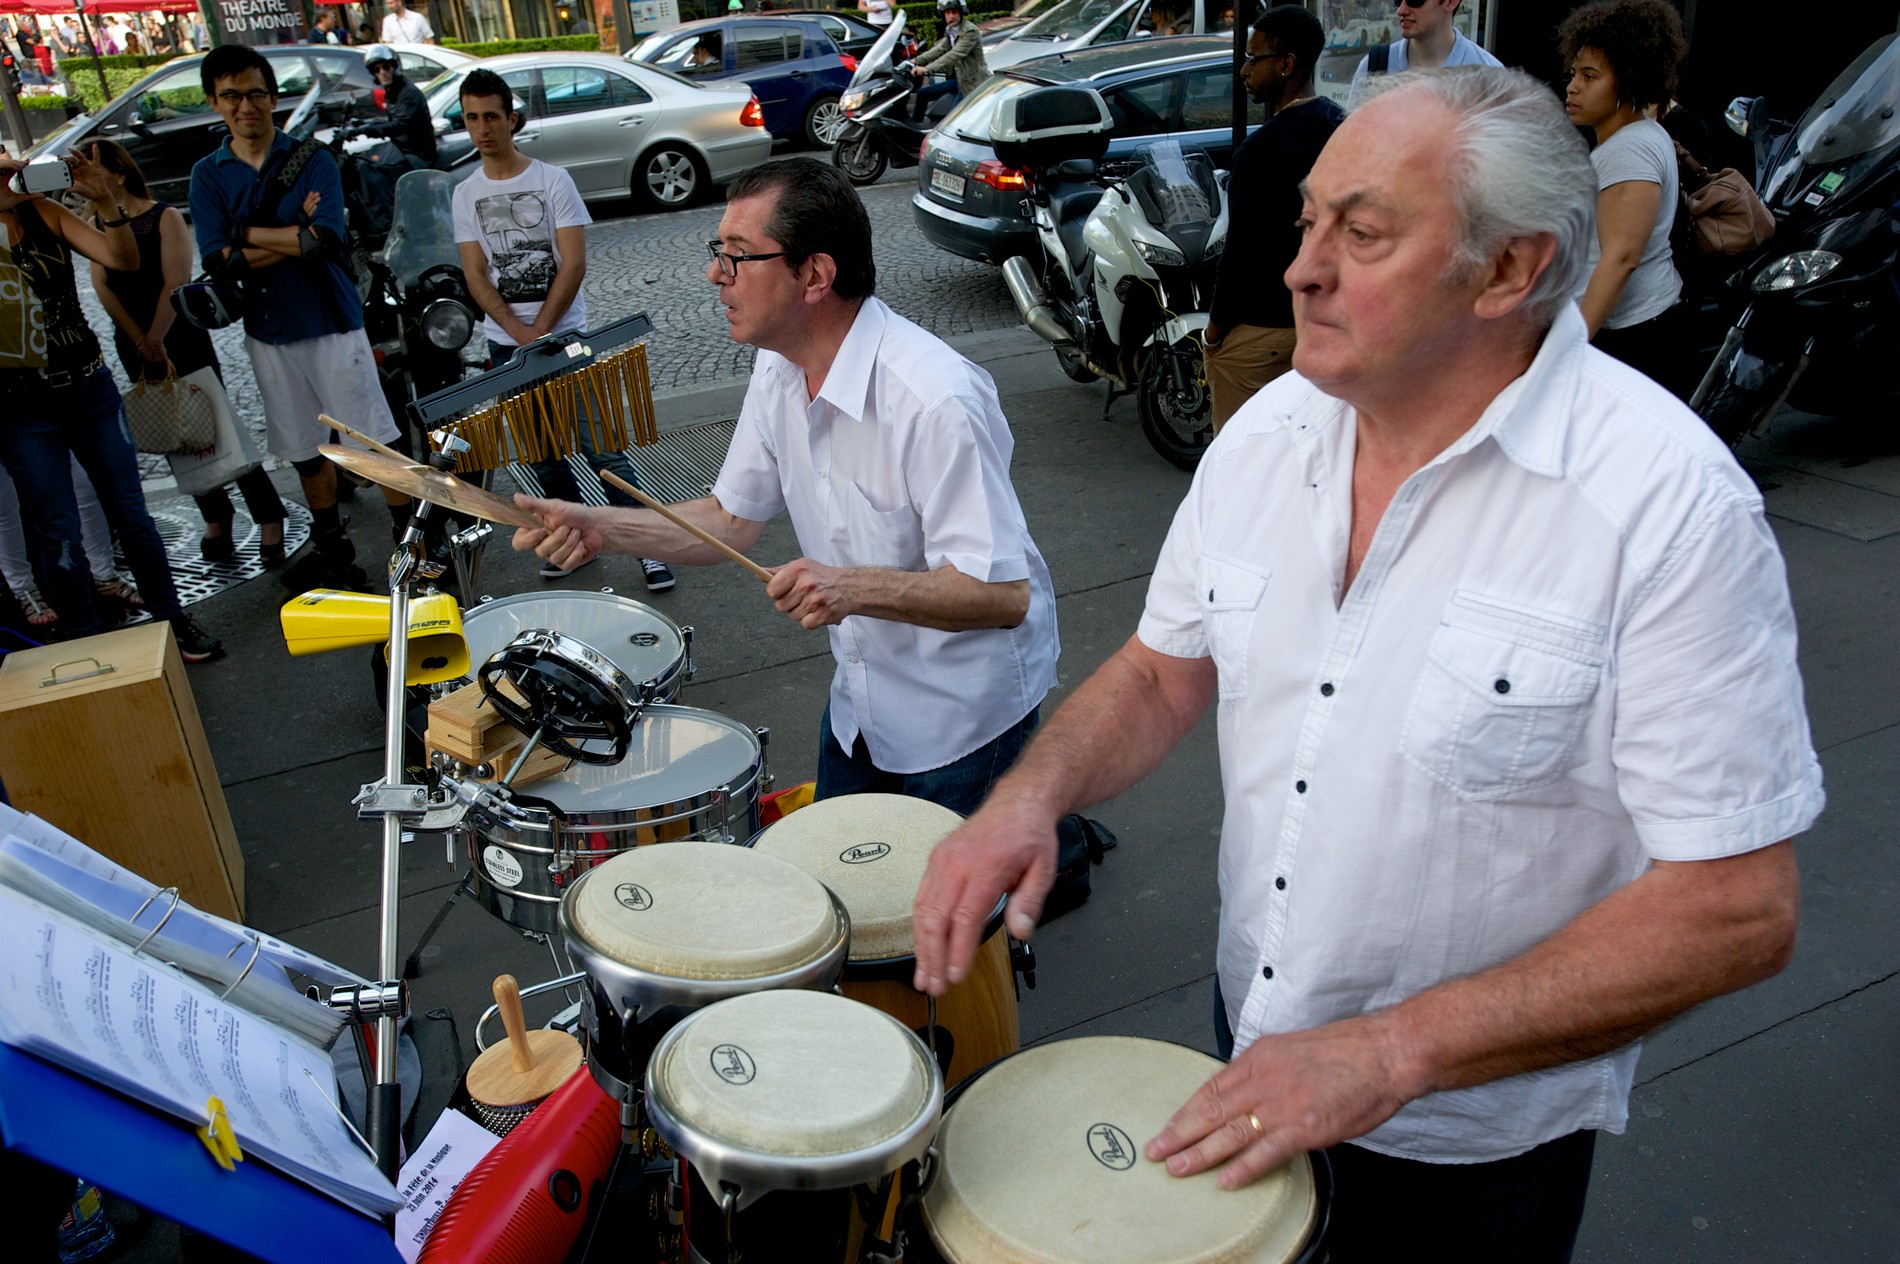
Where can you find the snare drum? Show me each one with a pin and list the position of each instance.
(1040, 1163)
(639, 640)
(797, 1115)
(689, 774)
(663, 931)
(871, 850)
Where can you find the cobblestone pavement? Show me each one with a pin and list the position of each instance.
(656, 263)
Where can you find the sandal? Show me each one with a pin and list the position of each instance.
(271, 552)
(38, 613)
(116, 589)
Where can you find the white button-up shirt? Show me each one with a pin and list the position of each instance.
(1569, 652)
(902, 461)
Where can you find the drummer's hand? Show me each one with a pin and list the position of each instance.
(571, 536)
(1309, 1089)
(1009, 845)
(811, 595)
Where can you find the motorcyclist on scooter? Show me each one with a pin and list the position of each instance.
(408, 123)
(960, 51)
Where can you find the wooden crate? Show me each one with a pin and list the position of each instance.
(101, 737)
(460, 726)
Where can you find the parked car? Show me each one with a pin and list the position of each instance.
(790, 64)
(167, 125)
(423, 62)
(970, 204)
(1072, 25)
(618, 128)
(852, 34)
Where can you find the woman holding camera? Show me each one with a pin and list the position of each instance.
(153, 344)
(63, 402)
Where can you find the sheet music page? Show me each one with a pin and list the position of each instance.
(83, 1002)
(443, 1160)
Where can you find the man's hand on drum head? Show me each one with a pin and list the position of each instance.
(1005, 847)
(1285, 1094)
(572, 534)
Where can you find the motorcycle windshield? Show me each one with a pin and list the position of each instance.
(1856, 117)
(876, 64)
(1176, 190)
(422, 229)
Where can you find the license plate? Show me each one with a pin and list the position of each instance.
(945, 182)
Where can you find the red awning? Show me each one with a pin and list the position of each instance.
(64, 8)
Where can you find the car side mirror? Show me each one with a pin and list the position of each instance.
(1736, 116)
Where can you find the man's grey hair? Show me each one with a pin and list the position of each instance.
(1520, 169)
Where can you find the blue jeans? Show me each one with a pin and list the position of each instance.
(556, 479)
(48, 428)
(960, 786)
(920, 101)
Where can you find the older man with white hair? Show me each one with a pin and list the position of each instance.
(1512, 736)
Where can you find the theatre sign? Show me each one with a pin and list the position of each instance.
(258, 22)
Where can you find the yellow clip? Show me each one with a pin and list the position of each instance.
(219, 1138)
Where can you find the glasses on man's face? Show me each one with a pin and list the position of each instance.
(729, 264)
(1253, 59)
(259, 97)
(1413, 4)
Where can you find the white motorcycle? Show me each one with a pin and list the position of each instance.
(1128, 257)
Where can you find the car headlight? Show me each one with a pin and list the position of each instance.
(1160, 256)
(1791, 272)
(447, 324)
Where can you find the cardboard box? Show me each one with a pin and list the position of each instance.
(101, 737)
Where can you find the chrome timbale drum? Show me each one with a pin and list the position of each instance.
(640, 641)
(690, 774)
(661, 932)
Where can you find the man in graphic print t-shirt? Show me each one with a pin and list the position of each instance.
(522, 230)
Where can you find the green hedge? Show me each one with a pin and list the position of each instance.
(122, 71)
(553, 44)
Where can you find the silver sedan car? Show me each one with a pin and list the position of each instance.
(618, 128)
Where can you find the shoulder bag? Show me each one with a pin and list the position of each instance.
(172, 417)
(1725, 216)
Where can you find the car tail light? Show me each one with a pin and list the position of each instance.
(923, 150)
(850, 62)
(997, 176)
(752, 115)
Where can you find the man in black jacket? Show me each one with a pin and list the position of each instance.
(1250, 327)
(408, 124)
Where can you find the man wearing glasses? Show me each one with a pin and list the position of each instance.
(1250, 328)
(1430, 41)
(891, 454)
(268, 215)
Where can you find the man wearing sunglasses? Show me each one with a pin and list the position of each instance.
(268, 216)
(1430, 41)
(1250, 327)
(890, 453)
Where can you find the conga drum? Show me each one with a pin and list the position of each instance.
(871, 849)
(1039, 1162)
(798, 1117)
(663, 931)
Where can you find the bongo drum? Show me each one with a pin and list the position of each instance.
(871, 849)
(663, 931)
(798, 1115)
(1039, 1162)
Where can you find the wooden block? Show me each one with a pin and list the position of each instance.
(462, 727)
(101, 737)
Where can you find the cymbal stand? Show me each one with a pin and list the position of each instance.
(395, 804)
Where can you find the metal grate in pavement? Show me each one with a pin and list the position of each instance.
(681, 466)
(181, 527)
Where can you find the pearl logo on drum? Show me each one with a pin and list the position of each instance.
(634, 896)
(864, 853)
(645, 640)
(733, 1064)
(1112, 1147)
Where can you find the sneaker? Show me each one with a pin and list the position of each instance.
(658, 577)
(550, 571)
(195, 645)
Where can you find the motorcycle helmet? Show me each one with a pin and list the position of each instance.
(382, 54)
(209, 304)
(944, 6)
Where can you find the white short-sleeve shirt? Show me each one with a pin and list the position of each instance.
(514, 221)
(902, 461)
(406, 28)
(1568, 652)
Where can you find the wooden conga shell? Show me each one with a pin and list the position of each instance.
(871, 850)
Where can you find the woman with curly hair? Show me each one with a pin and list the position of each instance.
(1623, 57)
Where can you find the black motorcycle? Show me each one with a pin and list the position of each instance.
(1819, 306)
(879, 131)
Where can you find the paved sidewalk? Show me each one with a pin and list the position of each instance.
(1762, 1123)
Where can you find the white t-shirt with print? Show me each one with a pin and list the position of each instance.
(514, 222)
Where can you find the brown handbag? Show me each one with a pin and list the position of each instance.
(1726, 216)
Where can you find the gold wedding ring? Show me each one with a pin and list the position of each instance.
(1254, 1119)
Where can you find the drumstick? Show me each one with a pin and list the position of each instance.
(698, 533)
(365, 440)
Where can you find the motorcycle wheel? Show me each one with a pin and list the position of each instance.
(1071, 361)
(1177, 421)
(858, 156)
(1731, 411)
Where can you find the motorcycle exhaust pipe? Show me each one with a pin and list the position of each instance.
(1033, 305)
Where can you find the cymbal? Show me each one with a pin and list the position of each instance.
(432, 485)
